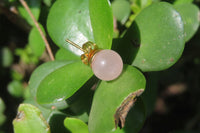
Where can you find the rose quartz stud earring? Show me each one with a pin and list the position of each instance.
(106, 64)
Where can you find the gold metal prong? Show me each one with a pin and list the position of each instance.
(75, 45)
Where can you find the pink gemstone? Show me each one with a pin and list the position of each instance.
(107, 65)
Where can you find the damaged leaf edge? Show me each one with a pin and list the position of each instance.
(122, 111)
(21, 116)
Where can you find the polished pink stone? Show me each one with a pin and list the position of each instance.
(107, 65)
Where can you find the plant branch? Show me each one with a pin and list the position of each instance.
(39, 29)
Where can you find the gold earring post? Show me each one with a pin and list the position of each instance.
(75, 45)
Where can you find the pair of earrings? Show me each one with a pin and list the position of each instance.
(106, 64)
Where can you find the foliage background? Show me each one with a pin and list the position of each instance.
(176, 100)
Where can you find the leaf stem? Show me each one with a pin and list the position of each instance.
(39, 29)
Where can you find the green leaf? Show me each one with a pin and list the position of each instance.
(45, 112)
(30, 120)
(190, 15)
(2, 119)
(102, 22)
(70, 19)
(56, 81)
(26, 55)
(55, 120)
(15, 88)
(36, 42)
(81, 101)
(155, 41)
(11, 0)
(63, 54)
(2, 105)
(16, 75)
(2, 109)
(47, 2)
(110, 95)
(26, 93)
(53, 116)
(121, 10)
(84, 116)
(134, 119)
(34, 5)
(75, 125)
(156, 0)
(137, 6)
(6, 57)
(177, 2)
(142, 3)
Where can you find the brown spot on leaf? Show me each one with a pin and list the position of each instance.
(20, 116)
(53, 107)
(172, 60)
(122, 111)
(143, 61)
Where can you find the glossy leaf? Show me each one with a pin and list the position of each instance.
(75, 125)
(102, 22)
(30, 120)
(56, 81)
(121, 10)
(42, 71)
(63, 54)
(190, 16)
(36, 42)
(34, 5)
(69, 19)
(109, 96)
(155, 41)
